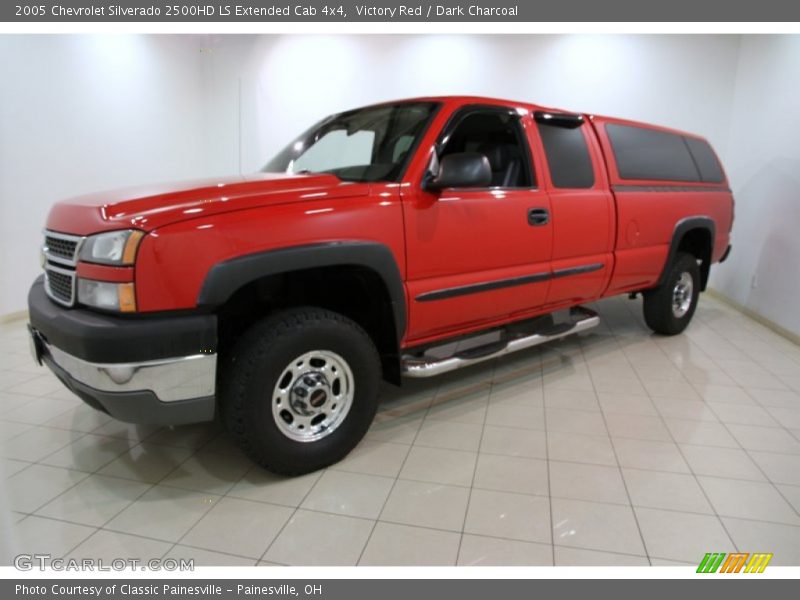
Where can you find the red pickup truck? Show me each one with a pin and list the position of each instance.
(279, 300)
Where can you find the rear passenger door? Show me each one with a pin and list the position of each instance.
(582, 208)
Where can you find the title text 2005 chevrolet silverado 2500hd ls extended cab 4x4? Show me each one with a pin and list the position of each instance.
(279, 300)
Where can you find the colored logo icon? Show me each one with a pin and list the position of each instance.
(735, 562)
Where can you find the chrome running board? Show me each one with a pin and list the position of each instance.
(580, 319)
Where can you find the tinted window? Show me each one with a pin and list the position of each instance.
(648, 154)
(498, 135)
(567, 156)
(705, 159)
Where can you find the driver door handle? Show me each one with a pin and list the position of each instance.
(538, 217)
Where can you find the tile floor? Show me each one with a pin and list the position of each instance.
(615, 447)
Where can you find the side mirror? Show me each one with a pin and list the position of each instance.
(462, 170)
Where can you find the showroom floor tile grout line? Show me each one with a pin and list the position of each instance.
(583, 547)
(763, 333)
(761, 469)
(294, 512)
(176, 545)
(688, 464)
(603, 503)
(298, 508)
(218, 496)
(383, 520)
(549, 480)
(426, 481)
(768, 479)
(694, 474)
(43, 506)
(430, 402)
(194, 524)
(621, 474)
(588, 435)
(154, 484)
(92, 534)
(402, 465)
(54, 467)
(749, 455)
(477, 460)
(148, 487)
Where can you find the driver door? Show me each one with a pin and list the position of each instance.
(476, 256)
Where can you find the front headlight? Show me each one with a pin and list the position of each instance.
(113, 248)
(107, 296)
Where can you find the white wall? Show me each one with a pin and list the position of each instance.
(84, 113)
(288, 82)
(763, 161)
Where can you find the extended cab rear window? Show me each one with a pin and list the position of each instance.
(567, 156)
(643, 153)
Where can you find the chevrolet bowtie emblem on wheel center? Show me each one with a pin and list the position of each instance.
(735, 562)
(309, 393)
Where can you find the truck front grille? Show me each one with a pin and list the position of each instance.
(60, 253)
(60, 284)
(61, 248)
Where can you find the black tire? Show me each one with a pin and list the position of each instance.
(261, 356)
(658, 303)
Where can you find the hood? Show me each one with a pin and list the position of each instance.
(149, 207)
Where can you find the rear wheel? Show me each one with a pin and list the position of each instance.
(301, 389)
(669, 308)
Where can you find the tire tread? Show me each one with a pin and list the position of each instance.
(247, 356)
(657, 306)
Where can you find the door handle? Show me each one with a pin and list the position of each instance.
(538, 216)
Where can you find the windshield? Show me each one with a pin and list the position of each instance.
(367, 144)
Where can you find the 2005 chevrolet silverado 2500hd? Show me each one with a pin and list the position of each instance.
(278, 301)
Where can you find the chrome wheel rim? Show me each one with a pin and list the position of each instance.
(682, 295)
(312, 396)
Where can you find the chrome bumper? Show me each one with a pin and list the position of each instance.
(170, 379)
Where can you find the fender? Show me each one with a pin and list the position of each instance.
(225, 278)
(681, 228)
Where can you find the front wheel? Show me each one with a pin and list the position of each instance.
(301, 389)
(669, 308)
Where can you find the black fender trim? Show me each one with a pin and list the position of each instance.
(226, 277)
(681, 228)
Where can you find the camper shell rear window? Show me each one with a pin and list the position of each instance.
(643, 153)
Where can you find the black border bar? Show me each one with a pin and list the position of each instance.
(328, 11)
